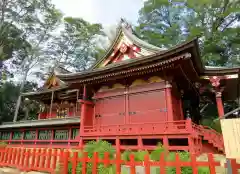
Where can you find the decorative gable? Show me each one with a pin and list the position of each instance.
(126, 46)
(123, 51)
(52, 82)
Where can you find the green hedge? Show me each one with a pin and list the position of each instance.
(102, 146)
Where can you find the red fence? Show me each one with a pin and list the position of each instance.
(46, 161)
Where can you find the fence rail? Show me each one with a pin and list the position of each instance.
(47, 160)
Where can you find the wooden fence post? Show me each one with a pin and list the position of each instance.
(42, 158)
(33, 156)
(6, 156)
(94, 163)
(54, 158)
(38, 152)
(118, 162)
(177, 164)
(106, 160)
(132, 164)
(12, 156)
(194, 164)
(49, 158)
(65, 162)
(211, 163)
(2, 150)
(18, 158)
(84, 162)
(146, 164)
(22, 159)
(162, 163)
(74, 162)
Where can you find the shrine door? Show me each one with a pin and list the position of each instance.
(147, 107)
(110, 111)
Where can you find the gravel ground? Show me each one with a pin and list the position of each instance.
(15, 171)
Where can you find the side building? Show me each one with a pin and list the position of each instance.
(136, 96)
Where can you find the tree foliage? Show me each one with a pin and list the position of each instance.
(8, 97)
(76, 45)
(216, 22)
(34, 37)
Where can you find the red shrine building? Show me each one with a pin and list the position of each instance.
(134, 97)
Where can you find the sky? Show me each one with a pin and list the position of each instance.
(106, 12)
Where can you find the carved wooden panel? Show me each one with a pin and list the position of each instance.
(30, 135)
(44, 135)
(75, 133)
(61, 134)
(5, 135)
(17, 135)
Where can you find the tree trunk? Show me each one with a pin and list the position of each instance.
(19, 97)
(26, 114)
(1, 65)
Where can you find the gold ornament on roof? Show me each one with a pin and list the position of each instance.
(118, 86)
(155, 79)
(103, 88)
(138, 82)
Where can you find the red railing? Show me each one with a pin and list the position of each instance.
(213, 137)
(44, 160)
(175, 127)
(210, 135)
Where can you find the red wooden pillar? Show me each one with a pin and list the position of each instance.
(191, 144)
(215, 81)
(69, 136)
(118, 148)
(165, 142)
(81, 143)
(140, 143)
(83, 111)
(219, 104)
(169, 101)
(36, 136)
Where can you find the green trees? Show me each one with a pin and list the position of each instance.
(166, 23)
(8, 96)
(76, 45)
(215, 22)
(35, 37)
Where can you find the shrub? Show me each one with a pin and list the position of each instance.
(3, 144)
(125, 155)
(138, 156)
(171, 156)
(155, 155)
(100, 147)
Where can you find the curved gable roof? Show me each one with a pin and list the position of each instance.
(124, 31)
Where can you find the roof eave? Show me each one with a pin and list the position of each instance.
(163, 54)
(40, 123)
(43, 92)
(221, 71)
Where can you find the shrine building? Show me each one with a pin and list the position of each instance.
(136, 96)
